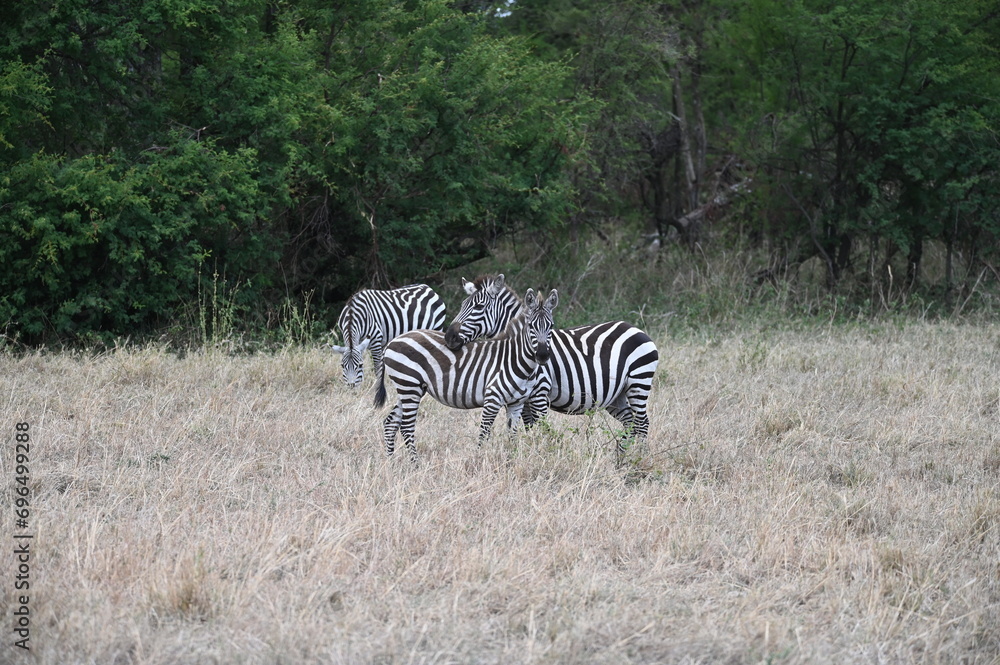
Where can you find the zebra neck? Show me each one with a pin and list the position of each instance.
(352, 336)
(522, 345)
(511, 306)
(515, 328)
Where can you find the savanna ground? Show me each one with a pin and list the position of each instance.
(829, 495)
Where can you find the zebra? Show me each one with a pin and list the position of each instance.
(488, 374)
(372, 318)
(608, 365)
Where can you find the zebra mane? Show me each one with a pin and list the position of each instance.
(485, 279)
(346, 323)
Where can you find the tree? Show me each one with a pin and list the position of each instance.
(625, 56)
(445, 137)
(298, 149)
(866, 124)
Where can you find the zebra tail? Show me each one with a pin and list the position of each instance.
(380, 393)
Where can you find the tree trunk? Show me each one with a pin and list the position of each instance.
(913, 262)
(949, 248)
(699, 138)
(690, 185)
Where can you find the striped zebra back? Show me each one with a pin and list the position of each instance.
(371, 318)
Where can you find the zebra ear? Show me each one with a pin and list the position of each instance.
(496, 285)
(363, 346)
(530, 299)
(470, 287)
(552, 300)
(338, 349)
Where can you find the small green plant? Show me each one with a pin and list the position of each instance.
(296, 323)
(753, 354)
(217, 312)
(554, 438)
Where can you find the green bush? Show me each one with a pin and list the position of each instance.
(95, 247)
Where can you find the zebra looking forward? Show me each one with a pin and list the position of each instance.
(608, 365)
(488, 374)
(371, 319)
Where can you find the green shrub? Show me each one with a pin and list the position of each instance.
(95, 247)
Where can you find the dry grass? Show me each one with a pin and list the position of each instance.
(829, 497)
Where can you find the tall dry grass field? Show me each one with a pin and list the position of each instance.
(830, 496)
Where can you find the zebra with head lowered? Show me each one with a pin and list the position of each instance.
(608, 365)
(371, 319)
(488, 374)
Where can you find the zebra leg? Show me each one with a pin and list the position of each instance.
(491, 408)
(528, 417)
(408, 406)
(622, 411)
(538, 404)
(637, 397)
(514, 414)
(377, 348)
(409, 438)
(402, 419)
(389, 429)
(637, 402)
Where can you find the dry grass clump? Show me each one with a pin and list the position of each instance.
(822, 497)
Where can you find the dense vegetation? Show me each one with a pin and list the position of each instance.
(154, 153)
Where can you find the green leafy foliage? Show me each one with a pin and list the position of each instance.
(24, 99)
(445, 138)
(621, 54)
(303, 150)
(297, 149)
(866, 122)
(93, 245)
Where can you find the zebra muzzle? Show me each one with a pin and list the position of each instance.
(542, 354)
(453, 336)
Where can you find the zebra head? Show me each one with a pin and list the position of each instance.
(538, 323)
(351, 363)
(487, 310)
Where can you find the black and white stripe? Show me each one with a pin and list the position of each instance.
(371, 319)
(494, 373)
(608, 365)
